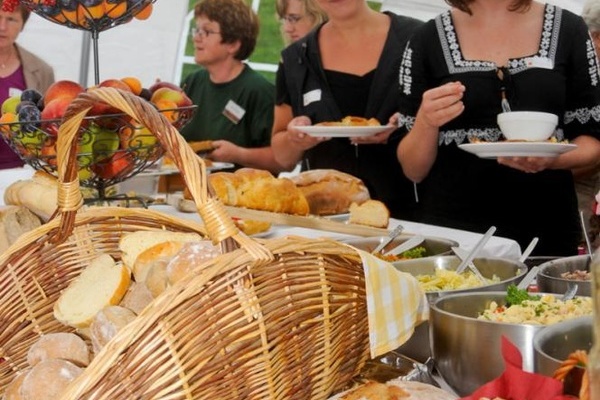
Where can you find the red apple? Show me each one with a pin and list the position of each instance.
(119, 164)
(116, 83)
(159, 84)
(63, 88)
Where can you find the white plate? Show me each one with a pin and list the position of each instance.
(517, 149)
(171, 169)
(341, 131)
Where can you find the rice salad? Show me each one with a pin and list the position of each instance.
(546, 310)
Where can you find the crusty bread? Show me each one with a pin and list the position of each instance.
(134, 243)
(102, 283)
(371, 212)
(351, 120)
(189, 258)
(13, 389)
(39, 194)
(15, 221)
(67, 346)
(138, 296)
(395, 389)
(156, 280)
(160, 253)
(48, 379)
(251, 227)
(258, 190)
(106, 323)
(329, 191)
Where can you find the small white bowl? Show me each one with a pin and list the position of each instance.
(531, 126)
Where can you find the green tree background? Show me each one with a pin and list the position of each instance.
(270, 43)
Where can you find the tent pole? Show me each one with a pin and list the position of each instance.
(85, 59)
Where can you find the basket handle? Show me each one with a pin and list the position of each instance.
(219, 224)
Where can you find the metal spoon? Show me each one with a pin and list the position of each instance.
(409, 244)
(571, 291)
(465, 262)
(395, 232)
(529, 249)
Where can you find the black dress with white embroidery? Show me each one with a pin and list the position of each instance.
(467, 192)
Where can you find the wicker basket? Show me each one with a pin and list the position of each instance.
(273, 319)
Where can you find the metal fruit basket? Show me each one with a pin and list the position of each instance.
(111, 147)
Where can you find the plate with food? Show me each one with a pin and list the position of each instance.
(349, 126)
(517, 149)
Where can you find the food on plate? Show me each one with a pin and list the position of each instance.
(15, 221)
(67, 346)
(451, 280)
(101, 283)
(577, 275)
(552, 139)
(329, 191)
(371, 212)
(416, 252)
(259, 190)
(395, 389)
(202, 146)
(546, 309)
(352, 121)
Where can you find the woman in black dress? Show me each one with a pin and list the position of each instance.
(452, 77)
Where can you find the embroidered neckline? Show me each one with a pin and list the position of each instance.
(457, 63)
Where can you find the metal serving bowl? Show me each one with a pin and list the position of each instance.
(467, 350)
(549, 280)
(418, 346)
(434, 246)
(554, 343)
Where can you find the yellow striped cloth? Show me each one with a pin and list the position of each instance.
(395, 304)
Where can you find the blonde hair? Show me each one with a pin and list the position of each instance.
(311, 8)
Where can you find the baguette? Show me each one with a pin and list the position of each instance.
(15, 221)
(39, 194)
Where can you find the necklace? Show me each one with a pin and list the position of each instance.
(6, 59)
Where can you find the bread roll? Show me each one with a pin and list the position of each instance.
(258, 190)
(67, 346)
(15, 221)
(13, 389)
(371, 212)
(157, 281)
(138, 296)
(189, 258)
(329, 191)
(395, 389)
(106, 323)
(48, 379)
(158, 254)
(134, 243)
(100, 284)
(39, 194)
(251, 227)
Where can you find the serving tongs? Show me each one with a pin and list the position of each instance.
(391, 236)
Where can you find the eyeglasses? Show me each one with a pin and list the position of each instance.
(202, 32)
(291, 19)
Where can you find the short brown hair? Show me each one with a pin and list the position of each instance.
(463, 5)
(237, 21)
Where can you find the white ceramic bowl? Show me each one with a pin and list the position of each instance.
(530, 126)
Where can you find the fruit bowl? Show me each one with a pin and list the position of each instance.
(90, 15)
(111, 148)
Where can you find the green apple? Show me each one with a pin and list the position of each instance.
(105, 142)
(10, 104)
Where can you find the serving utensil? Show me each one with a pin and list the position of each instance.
(467, 260)
(524, 284)
(571, 292)
(395, 232)
(462, 254)
(409, 244)
(529, 249)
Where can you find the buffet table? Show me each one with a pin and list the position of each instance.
(496, 247)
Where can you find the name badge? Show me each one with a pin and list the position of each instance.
(539, 62)
(312, 96)
(14, 92)
(234, 112)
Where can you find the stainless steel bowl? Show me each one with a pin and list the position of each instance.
(554, 343)
(418, 346)
(467, 350)
(549, 280)
(434, 246)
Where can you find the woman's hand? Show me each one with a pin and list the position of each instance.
(224, 151)
(529, 165)
(378, 138)
(300, 139)
(441, 104)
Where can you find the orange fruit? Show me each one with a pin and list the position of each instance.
(115, 9)
(166, 104)
(145, 12)
(134, 84)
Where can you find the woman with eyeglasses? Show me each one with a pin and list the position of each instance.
(235, 103)
(298, 17)
(347, 66)
(451, 92)
(19, 70)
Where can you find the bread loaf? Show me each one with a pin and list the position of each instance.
(15, 221)
(102, 283)
(13, 389)
(258, 190)
(67, 346)
(138, 296)
(189, 258)
(330, 191)
(371, 212)
(106, 323)
(158, 254)
(48, 379)
(395, 389)
(134, 243)
(39, 194)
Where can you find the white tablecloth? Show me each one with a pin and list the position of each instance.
(496, 247)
